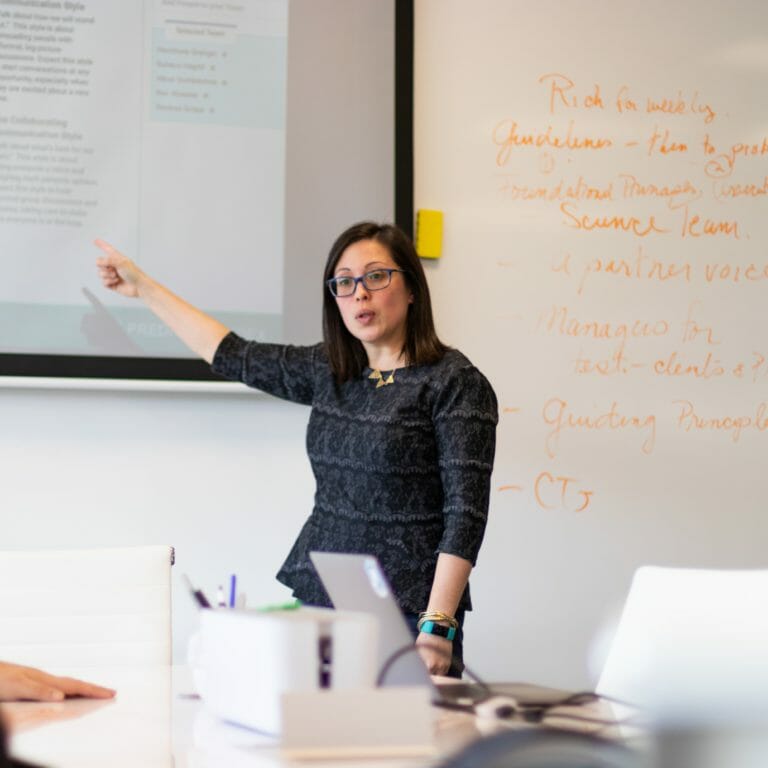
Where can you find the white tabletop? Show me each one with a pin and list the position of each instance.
(156, 721)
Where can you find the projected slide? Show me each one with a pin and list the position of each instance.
(160, 127)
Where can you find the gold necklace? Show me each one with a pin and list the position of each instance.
(377, 376)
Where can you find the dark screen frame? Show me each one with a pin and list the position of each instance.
(195, 370)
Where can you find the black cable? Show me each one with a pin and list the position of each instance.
(538, 713)
(405, 649)
(533, 714)
(454, 706)
(390, 660)
(579, 699)
(596, 720)
(576, 699)
(483, 685)
(585, 697)
(485, 689)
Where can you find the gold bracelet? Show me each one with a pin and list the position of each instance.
(436, 616)
(439, 616)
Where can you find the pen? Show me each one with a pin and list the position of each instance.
(220, 601)
(197, 594)
(232, 590)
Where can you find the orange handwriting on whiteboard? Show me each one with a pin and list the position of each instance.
(633, 188)
(561, 320)
(661, 143)
(642, 267)
(681, 106)
(623, 102)
(558, 191)
(722, 271)
(677, 366)
(561, 93)
(694, 226)
(722, 190)
(632, 224)
(689, 418)
(562, 418)
(507, 135)
(723, 165)
(614, 363)
(559, 493)
(693, 330)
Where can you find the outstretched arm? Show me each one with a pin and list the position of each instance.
(200, 332)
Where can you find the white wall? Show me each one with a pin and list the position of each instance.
(222, 478)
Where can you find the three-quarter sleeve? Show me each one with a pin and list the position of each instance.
(283, 370)
(465, 417)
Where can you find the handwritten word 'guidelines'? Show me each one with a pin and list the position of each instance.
(562, 418)
(509, 136)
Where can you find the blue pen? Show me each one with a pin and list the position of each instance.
(232, 590)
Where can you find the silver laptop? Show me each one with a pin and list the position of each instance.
(357, 583)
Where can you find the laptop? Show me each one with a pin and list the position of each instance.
(358, 583)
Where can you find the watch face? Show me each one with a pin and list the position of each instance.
(431, 628)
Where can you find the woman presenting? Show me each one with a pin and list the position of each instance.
(401, 434)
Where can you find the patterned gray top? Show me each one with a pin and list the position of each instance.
(402, 471)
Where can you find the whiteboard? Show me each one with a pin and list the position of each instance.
(603, 173)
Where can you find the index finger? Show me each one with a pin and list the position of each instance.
(105, 246)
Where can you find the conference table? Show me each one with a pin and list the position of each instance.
(157, 721)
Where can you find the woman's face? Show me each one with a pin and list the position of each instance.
(377, 318)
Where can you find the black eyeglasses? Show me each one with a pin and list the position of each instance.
(374, 280)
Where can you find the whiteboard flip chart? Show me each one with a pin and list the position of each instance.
(603, 172)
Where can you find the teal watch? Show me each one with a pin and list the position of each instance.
(432, 628)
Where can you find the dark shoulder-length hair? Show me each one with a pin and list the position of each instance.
(346, 354)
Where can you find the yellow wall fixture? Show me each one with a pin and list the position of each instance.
(429, 234)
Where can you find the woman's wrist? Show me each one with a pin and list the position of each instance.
(435, 641)
(144, 285)
(438, 630)
(438, 624)
(438, 617)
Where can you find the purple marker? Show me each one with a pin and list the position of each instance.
(232, 590)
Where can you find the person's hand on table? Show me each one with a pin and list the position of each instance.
(436, 652)
(30, 684)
